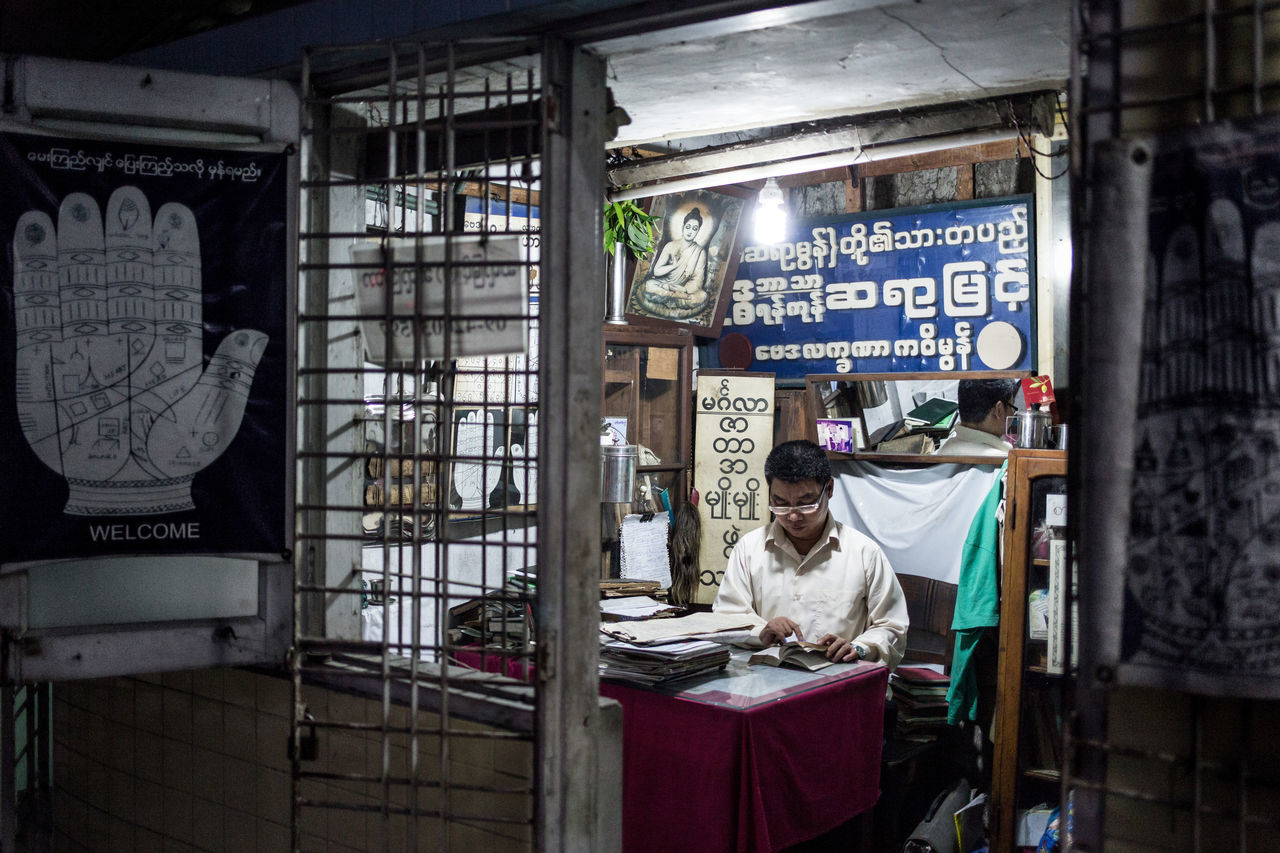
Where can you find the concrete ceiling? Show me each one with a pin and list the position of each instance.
(885, 56)
(689, 74)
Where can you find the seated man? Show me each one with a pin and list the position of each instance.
(985, 404)
(809, 575)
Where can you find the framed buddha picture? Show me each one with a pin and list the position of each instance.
(687, 278)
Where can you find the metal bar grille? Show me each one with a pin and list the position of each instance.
(1152, 769)
(418, 460)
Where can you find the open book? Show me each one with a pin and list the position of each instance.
(800, 655)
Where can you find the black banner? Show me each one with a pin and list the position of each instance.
(143, 349)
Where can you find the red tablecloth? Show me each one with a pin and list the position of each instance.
(715, 765)
(707, 776)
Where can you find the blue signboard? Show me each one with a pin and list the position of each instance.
(948, 287)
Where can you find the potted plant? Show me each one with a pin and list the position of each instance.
(627, 230)
(626, 223)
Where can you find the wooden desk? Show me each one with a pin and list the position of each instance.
(754, 759)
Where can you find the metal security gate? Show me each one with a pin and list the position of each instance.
(1150, 768)
(451, 292)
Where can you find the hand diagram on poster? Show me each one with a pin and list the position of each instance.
(524, 470)
(111, 392)
(474, 439)
(1183, 563)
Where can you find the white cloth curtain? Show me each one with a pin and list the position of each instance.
(920, 516)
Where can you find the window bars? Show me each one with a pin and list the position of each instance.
(418, 447)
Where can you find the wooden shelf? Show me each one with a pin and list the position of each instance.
(913, 458)
(1011, 773)
(1036, 669)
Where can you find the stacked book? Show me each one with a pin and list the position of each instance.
(920, 697)
(661, 663)
(500, 618)
(934, 417)
(920, 430)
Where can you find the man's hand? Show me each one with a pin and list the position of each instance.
(778, 629)
(839, 649)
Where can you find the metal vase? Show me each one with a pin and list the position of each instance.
(616, 292)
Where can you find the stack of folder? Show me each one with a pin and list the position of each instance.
(661, 663)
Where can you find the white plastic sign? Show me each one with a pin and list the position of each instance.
(489, 300)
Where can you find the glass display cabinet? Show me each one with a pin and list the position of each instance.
(1036, 639)
(648, 403)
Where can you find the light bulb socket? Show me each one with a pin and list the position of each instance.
(770, 193)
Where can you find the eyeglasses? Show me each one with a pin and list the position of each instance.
(805, 509)
(1012, 405)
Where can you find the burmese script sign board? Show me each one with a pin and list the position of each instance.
(946, 287)
(734, 430)
(484, 312)
(145, 345)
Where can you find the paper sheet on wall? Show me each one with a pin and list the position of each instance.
(644, 549)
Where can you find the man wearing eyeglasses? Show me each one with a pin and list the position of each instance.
(809, 576)
(985, 406)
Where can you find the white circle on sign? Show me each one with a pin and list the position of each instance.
(1000, 345)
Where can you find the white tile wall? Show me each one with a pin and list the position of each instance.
(199, 761)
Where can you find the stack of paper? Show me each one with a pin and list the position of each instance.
(721, 627)
(643, 541)
(632, 607)
(661, 663)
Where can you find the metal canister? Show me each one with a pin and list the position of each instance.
(617, 473)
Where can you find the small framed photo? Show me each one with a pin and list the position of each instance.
(842, 435)
(687, 278)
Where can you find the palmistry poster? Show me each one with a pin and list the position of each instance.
(1180, 550)
(144, 365)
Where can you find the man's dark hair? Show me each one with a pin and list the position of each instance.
(979, 396)
(794, 461)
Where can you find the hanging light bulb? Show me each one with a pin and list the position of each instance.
(771, 216)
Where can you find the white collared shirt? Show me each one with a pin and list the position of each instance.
(968, 441)
(843, 586)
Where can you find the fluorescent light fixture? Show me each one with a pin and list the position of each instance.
(770, 216)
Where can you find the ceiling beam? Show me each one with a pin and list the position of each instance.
(823, 145)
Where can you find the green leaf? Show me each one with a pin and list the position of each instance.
(638, 235)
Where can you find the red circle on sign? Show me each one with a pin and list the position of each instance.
(735, 351)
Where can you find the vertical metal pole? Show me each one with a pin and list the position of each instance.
(1197, 770)
(1258, 54)
(8, 768)
(572, 304)
(1210, 60)
(303, 550)
(30, 707)
(1245, 736)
